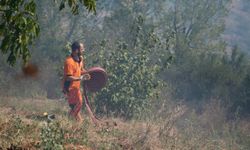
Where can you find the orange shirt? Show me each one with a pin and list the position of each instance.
(73, 68)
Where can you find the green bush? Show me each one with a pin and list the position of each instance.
(131, 81)
(52, 136)
(132, 66)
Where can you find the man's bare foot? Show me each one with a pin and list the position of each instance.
(79, 118)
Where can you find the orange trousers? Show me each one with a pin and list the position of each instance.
(74, 97)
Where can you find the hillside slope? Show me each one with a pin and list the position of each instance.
(23, 125)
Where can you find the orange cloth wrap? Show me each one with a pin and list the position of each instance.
(73, 68)
(74, 95)
(75, 99)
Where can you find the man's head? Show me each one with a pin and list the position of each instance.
(77, 48)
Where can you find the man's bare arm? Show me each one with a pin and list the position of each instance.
(73, 78)
(83, 77)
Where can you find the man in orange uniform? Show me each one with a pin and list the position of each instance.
(74, 72)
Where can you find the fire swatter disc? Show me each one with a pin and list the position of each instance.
(97, 81)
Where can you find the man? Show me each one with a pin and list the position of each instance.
(74, 72)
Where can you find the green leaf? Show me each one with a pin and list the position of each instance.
(11, 59)
(5, 44)
(70, 2)
(62, 5)
(2, 29)
(24, 20)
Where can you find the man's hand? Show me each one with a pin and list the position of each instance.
(85, 77)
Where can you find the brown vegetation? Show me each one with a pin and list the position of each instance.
(180, 128)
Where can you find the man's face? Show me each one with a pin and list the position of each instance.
(81, 50)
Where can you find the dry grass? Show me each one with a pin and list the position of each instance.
(21, 123)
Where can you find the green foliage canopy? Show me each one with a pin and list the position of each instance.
(130, 84)
(18, 28)
(19, 25)
(133, 76)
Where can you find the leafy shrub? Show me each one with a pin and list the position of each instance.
(13, 132)
(131, 81)
(132, 71)
(52, 136)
